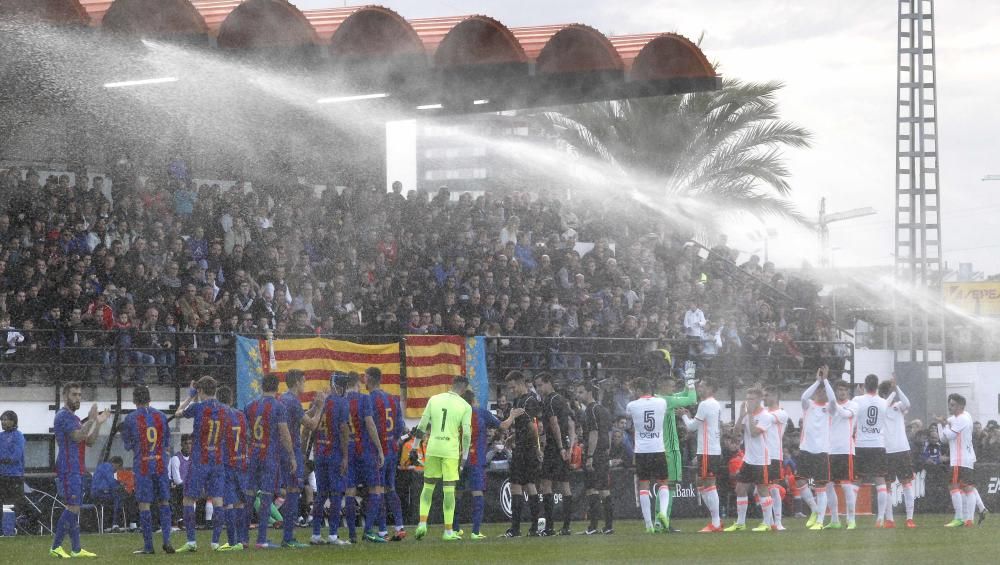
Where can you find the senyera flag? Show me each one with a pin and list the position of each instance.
(432, 362)
(317, 358)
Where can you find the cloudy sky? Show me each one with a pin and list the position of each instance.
(838, 62)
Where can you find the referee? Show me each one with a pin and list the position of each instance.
(525, 464)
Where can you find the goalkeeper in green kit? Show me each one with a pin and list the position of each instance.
(671, 444)
(447, 421)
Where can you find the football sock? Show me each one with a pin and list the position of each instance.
(231, 526)
(776, 504)
(516, 504)
(549, 501)
(567, 510)
(957, 503)
(290, 515)
(647, 512)
(218, 520)
(263, 513)
(351, 515)
(851, 499)
(710, 495)
(741, 509)
(888, 514)
(833, 502)
(609, 512)
(449, 506)
(670, 502)
(820, 504)
(969, 504)
(396, 507)
(146, 523)
(189, 524)
(74, 531)
(335, 504)
(883, 497)
(61, 527)
(534, 505)
(807, 496)
(478, 504)
(383, 514)
(426, 497)
(165, 523)
(979, 500)
(317, 514)
(245, 519)
(593, 509)
(664, 498)
(373, 507)
(766, 506)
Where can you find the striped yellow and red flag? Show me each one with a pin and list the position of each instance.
(318, 357)
(432, 361)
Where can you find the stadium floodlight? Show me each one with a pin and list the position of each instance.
(339, 99)
(140, 82)
(430, 107)
(480, 102)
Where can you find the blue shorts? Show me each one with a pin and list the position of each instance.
(264, 476)
(389, 472)
(69, 486)
(236, 486)
(329, 481)
(297, 480)
(474, 477)
(205, 481)
(152, 488)
(363, 471)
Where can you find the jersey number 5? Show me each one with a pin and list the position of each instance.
(648, 422)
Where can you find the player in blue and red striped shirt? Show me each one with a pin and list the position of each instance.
(390, 425)
(72, 439)
(207, 476)
(270, 444)
(146, 434)
(365, 460)
(474, 473)
(294, 481)
(234, 497)
(332, 439)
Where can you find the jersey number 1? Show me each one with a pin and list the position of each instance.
(444, 417)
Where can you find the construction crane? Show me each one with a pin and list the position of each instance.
(823, 229)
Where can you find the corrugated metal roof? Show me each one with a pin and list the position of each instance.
(357, 31)
(568, 48)
(215, 11)
(655, 56)
(52, 11)
(491, 41)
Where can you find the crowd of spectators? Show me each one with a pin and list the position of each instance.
(151, 260)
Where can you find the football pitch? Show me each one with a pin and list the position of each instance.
(929, 543)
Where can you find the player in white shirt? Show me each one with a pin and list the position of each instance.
(957, 429)
(814, 447)
(754, 420)
(647, 413)
(869, 458)
(775, 451)
(705, 426)
(897, 449)
(842, 415)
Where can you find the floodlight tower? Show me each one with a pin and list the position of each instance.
(919, 319)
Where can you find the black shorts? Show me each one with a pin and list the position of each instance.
(870, 462)
(651, 467)
(900, 466)
(774, 471)
(600, 477)
(554, 468)
(524, 467)
(963, 476)
(710, 466)
(841, 467)
(753, 474)
(815, 466)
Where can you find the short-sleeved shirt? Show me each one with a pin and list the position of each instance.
(146, 434)
(237, 440)
(482, 421)
(555, 405)
(647, 414)
(776, 435)
(959, 435)
(524, 425)
(597, 419)
(359, 407)
(842, 416)
(294, 413)
(328, 432)
(72, 454)
(896, 440)
(446, 415)
(264, 417)
(870, 421)
(708, 416)
(210, 421)
(815, 434)
(755, 447)
(388, 420)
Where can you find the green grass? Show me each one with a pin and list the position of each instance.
(930, 543)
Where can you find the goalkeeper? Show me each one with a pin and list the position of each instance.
(671, 444)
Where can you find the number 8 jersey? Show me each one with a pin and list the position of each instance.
(648, 413)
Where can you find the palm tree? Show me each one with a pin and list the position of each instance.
(713, 154)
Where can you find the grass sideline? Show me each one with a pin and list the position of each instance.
(929, 543)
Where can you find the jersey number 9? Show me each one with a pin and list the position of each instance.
(152, 436)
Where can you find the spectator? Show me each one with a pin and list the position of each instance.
(621, 454)
(11, 463)
(114, 487)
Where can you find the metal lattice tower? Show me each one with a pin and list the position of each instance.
(919, 320)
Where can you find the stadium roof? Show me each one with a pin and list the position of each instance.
(425, 60)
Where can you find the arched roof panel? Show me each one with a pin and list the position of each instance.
(163, 18)
(52, 11)
(662, 56)
(467, 41)
(568, 48)
(256, 24)
(364, 32)
(214, 12)
(96, 10)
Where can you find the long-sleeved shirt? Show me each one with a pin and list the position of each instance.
(179, 465)
(694, 323)
(11, 454)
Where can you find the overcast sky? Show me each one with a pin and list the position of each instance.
(838, 62)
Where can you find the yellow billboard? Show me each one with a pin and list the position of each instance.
(976, 298)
